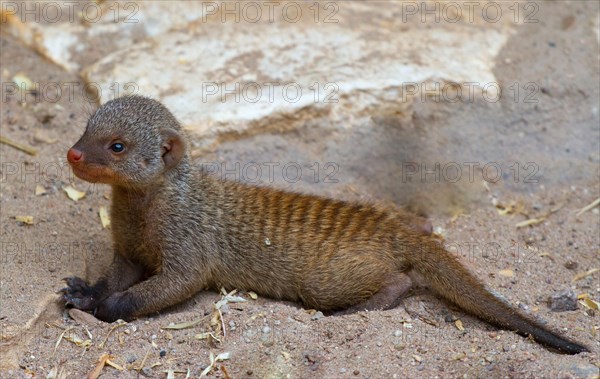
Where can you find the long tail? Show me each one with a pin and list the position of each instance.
(448, 278)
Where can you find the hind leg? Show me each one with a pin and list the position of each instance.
(389, 296)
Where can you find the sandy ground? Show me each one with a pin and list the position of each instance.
(273, 339)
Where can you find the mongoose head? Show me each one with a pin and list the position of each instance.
(129, 141)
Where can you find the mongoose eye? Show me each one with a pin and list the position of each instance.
(117, 147)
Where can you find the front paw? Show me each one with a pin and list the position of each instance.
(78, 293)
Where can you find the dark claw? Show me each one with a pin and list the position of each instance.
(83, 303)
(78, 293)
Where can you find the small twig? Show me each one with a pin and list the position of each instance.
(114, 365)
(95, 373)
(19, 146)
(225, 373)
(88, 332)
(60, 338)
(121, 323)
(582, 275)
(185, 325)
(531, 221)
(141, 366)
(588, 207)
(222, 323)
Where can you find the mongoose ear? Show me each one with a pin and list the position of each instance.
(172, 148)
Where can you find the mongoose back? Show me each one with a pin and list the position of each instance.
(178, 230)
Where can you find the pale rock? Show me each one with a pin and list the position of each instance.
(209, 74)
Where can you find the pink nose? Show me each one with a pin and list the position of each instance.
(74, 155)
